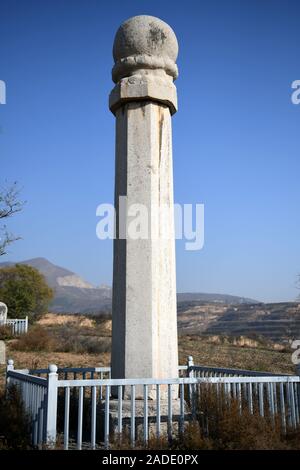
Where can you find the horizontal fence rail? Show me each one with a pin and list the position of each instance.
(75, 372)
(85, 408)
(202, 371)
(208, 371)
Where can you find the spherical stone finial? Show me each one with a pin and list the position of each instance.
(142, 44)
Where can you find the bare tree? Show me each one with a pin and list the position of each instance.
(10, 204)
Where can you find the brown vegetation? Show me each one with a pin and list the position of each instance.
(5, 332)
(66, 333)
(224, 427)
(14, 423)
(69, 340)
(76, 340)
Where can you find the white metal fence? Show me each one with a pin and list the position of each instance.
(19, 326)
(77, 403)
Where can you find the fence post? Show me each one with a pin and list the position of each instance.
(190, 364)
(26, 324)
(10, 366)
(190, 374)
(51, 406)
(298, 369)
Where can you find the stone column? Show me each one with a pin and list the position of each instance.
(144, 319)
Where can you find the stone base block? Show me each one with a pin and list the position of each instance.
(165, 429)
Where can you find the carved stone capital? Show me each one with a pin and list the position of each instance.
(144, 88)
(145, 52)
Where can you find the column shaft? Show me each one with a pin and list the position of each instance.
(144, 335)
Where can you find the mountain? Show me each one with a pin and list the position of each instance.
(277, 321)
(198, 313)
(75, 295)
(214, 298)
(72, 293)
(55, 275)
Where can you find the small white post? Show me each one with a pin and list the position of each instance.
(26, 324)
(190, 364)
(51, 406)
(10, 366)
(190, 374)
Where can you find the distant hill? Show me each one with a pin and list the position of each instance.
(55, 275)
(72, 293)
(198, 313)
(216, 298)
(279, 322)
(75, 295)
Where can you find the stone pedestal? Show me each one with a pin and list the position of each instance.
(144, 320)
(166, 430)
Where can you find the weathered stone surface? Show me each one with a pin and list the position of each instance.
(144, 289)
(144, 43)
(2, 352)
(143, 88)
(145, 52)
(144, 328)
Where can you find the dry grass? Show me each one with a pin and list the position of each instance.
(229, 355)
(14, 423)
(66, 333)
(5, 332)
(47, 340)
(61, 359)
(37, 339)
(51, 319)
(96, 324)
(81, 341)
(222, 425)
(203, 352)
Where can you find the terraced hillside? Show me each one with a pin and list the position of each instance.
(279, 322)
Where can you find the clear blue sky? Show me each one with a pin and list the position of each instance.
(236, 135)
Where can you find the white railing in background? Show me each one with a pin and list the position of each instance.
(33, 391)
(75, 372)
(51, 400)
(19, 326)
(207, 371)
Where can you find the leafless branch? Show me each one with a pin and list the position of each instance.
(10, 202)
(5, 240)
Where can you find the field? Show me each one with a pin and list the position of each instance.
(69, 340)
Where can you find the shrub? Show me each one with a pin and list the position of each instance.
(5, 332)
(14, 423)
(37, 339)
(73, 338)
(25, 291)
(83, 344)
(228, 427)
(221, 425)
